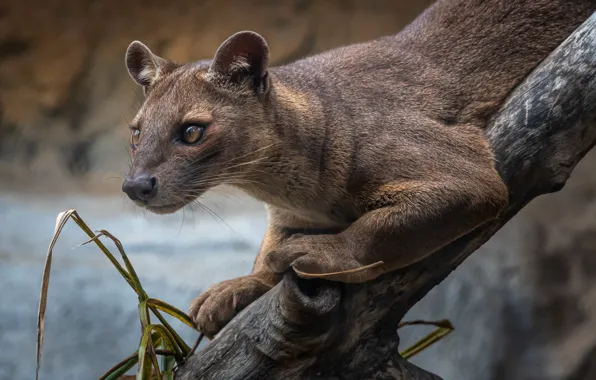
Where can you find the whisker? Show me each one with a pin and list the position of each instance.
(247, 154)
(216, 176)
(228, 195)
(213, 214)
(181, 224)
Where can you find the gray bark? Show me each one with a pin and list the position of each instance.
(323, 330)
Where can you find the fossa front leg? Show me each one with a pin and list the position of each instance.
(213, 309)
(407, 222)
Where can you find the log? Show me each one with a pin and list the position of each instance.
(315, 329)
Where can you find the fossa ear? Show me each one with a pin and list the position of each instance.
(144, 67)
(242, 59)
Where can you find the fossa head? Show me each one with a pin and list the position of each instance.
(201, 124)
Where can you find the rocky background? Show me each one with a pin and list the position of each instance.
(524, 305)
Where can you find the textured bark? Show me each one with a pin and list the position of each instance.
(322, 330)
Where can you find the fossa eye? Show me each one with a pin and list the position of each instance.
(192, 133)
(134, 138)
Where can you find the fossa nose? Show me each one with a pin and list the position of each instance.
(141, 187)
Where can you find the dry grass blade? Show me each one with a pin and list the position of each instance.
(144, 315)
(45, 282)
(444, 328)
(173, 311)
(154, 335)
(117, 371)
(194, 347)
(153, 356)
(167, 367)
(136, 283)
(129, 267)
(145, 370)
(77, 219)
(169, 342)
(181, 343)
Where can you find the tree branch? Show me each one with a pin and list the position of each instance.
(323, 330)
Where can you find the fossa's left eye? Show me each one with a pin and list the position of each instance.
(134, 139)
(192, 133)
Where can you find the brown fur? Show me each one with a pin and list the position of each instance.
(369, 157)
